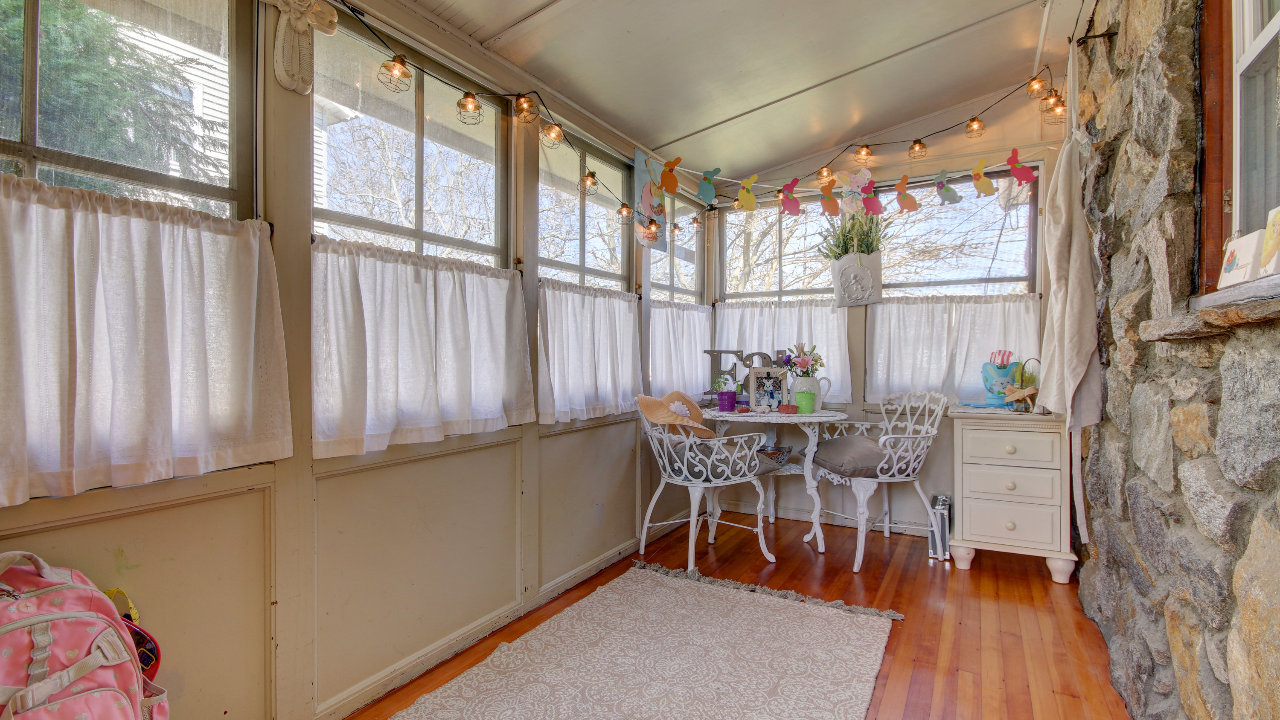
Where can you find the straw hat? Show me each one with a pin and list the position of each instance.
(675, 408)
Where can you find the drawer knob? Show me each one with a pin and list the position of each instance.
(1010, 449)
(1011, 525)
(1011, 486)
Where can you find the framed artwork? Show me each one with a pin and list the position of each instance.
(1269, 253)
(766, 388)
(1240, 259)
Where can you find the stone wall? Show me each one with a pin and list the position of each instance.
(1183, 573)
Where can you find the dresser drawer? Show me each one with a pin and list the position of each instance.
(1012, 523)
(1003, 482)
(1013, 447)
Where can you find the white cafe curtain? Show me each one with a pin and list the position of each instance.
(138, 341)
(589, 352)
(769, 326)
(678, 335)
(940, 342)
(409, 348)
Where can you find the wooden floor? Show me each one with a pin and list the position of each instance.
(998, 641)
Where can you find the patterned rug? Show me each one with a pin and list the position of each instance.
(659, 643)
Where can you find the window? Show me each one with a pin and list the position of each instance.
(149, 100)
(771, 255)
(580, 238)
(1258, 147)
(398, 169)
(675, 267)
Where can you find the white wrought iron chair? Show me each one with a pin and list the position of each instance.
(908, 426)
(704, 466)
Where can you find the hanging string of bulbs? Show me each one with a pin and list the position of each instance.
(396, 74)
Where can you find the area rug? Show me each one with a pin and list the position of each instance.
(659, 643)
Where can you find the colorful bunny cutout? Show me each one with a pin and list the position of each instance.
(906, 201)
(849, 201)
(790, 204)
(1022, 173)
(830, 206)
(746, 198)
(946, 193)
(981, 182)
(706, 190)
(870, 203)
(670, 183)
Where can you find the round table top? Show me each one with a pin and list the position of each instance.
(820, 416)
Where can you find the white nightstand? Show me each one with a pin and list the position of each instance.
(1013, 489)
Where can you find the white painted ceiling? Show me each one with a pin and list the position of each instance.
(750, 85)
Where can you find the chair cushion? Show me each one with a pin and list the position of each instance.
(767, 464)
(849, 456)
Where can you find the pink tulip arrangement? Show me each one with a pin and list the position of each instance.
(801, 362)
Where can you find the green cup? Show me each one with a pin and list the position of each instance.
(804, 401)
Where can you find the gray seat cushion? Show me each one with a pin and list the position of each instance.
(767, 464)
(849, 456)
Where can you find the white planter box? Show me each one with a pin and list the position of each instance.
(857, 279)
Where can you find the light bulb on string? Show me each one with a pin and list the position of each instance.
(470, 111)
(587, 185)
(1056, 116)
(1050, 101)
(675, 228)
(737, 204)
(1037, 87)
(552, 136)
(975, 128)
(695, 223)
(395, 74)
(863, 155)
(918, 150)
(652, 228)
(824, 172)
(624, 213)
(526, 109)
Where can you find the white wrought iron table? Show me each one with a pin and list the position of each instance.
(811, 426)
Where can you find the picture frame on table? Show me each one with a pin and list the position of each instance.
(766, 388)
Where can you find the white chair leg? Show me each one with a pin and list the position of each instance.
(863, 489)
(695, 501)
(760, 522)
(928, 512)
(887, 517)
(648, 515)
(713, 513)
(772, 501)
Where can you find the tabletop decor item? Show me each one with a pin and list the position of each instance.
(766, 387)
(807, 390)
(726, 392)
(790, 409)
(853, 247)
(1001, 372)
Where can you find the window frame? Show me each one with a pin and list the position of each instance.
(240, 192)
(677, 293)
(1252, 40)
(585, 148)
(500, 250)
(779, 294)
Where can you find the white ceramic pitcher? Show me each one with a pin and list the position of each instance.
(815, 386)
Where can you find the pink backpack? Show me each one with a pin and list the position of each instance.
(64, 651)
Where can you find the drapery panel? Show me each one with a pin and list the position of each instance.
(589, 352)
(940, 342)
(140, 342)
(769, 326)
(678, 334)
(409, 348)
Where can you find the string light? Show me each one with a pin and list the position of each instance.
(824, 172)
(1037, 87)
(470, 111)
(1056, 115)
(918, 150)
(395, 74)
(675, 227)
(652, 228)
(587, 185)
(526, 109)
(863, 155)
(552, 135)
(975, 128)
(1050, 101)
(696, 223)
(737, 204)
(780, 195)
(624, 213)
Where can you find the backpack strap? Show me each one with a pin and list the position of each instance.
(47, 571)
(108, 649)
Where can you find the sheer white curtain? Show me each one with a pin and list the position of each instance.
(940, 342)
(678, 333)
(138, 342)
(409, 348)
(768, 326)
(589, 351)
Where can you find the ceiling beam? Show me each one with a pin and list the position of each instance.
(519, 26)
(873, 63)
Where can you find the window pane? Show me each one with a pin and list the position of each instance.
(1266, 10)
(663, 294)
(660, 263)
(10, 70)
(604, 230)
(119, 188)
(353, 234)
(144, 85)
(459, 169)
(364, 141)
(1015, 288)
(982, 237)
(9, 165)
(557, 274)
(559, 227)
(1259, 142)
(592, 281)
(447, 251)
(686, 247)
(802, 267)
(751, 251)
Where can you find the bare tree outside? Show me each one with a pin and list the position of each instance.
(582, 231)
